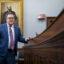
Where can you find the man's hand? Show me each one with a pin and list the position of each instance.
(28, 38)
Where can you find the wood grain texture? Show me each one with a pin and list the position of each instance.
(48, 47)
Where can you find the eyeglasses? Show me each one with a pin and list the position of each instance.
(11, 18)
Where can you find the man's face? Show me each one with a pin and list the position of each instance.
(10, 19)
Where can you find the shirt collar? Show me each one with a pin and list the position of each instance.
(9, 26)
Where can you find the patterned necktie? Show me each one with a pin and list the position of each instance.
(11, 39)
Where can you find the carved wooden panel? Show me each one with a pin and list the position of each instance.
(49, 21)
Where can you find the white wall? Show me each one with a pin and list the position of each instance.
(32, 8)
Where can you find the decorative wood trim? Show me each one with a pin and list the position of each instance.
(49, 21)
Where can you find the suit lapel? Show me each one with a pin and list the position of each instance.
(15, 32)
(6, 30)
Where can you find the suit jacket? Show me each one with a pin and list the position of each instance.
(4, 39)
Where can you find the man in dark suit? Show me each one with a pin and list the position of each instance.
(9, 36)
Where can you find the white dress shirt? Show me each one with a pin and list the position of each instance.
(12, 27)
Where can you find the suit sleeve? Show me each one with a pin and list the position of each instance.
(20, 38)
